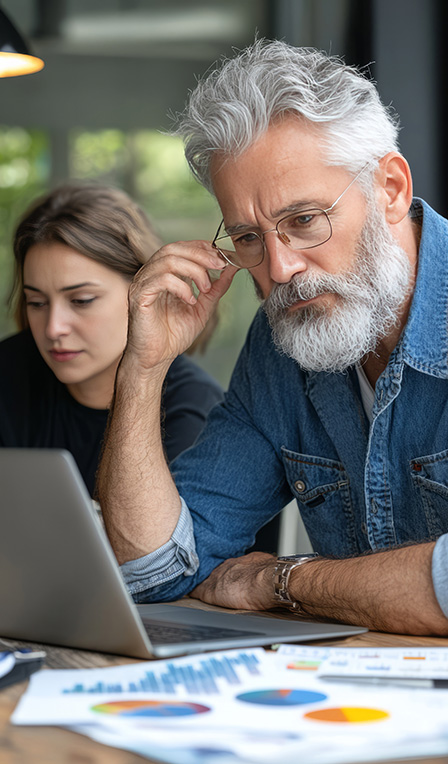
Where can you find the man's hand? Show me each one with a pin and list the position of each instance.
(387, 591)
(165, 314)
(240, 583)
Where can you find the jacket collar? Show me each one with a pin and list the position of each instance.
(425, 338)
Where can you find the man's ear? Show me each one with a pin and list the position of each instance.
(394, 187)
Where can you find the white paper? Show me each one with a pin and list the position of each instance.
(400, 662)
(68, 696)
(255, 707)
(7, 662)
(389, 663)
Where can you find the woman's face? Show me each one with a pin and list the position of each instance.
(78, 312)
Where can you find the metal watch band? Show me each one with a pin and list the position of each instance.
(284, 567)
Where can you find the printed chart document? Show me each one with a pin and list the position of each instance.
(387, 663)
(169, 687)
(241, 706)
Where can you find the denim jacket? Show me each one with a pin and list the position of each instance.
(284, 433)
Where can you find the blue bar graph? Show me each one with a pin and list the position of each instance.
(199, 677)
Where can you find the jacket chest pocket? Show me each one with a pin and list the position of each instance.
(429, 475)
(322, 490)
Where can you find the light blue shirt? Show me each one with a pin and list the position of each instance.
(440, 572)
(284, 433)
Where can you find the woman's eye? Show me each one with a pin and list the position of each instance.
(35, 304)
(80, 302)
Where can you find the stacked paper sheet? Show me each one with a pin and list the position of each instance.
(243, 706)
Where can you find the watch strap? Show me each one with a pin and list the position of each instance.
(282, 572)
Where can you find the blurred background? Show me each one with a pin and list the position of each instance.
(117, 70)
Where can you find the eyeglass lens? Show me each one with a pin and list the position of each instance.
(302, 230)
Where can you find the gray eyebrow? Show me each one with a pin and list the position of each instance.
(296, 206)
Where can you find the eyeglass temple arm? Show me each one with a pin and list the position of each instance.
(350, 185)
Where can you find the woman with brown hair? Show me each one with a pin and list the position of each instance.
(76, 252)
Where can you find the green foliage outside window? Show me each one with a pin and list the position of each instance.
(24, 171)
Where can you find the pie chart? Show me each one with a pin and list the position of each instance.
(281, 697)
(347, 715)
(154, 708)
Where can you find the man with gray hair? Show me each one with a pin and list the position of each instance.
(339, 398)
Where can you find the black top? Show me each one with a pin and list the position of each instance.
(37, 411)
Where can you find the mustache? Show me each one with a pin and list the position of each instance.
(307, 286)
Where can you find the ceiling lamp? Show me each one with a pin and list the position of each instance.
(15, 57)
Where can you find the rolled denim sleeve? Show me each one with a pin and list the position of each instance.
(440, 572)
(175, 558)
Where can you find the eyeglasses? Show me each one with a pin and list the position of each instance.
(303, 229)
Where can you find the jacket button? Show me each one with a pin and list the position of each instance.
(300, 486)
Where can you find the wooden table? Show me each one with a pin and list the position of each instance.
(53, 745)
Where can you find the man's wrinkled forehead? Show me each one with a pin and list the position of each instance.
(305, 131)
(285, 169)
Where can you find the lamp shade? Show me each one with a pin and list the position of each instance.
(15, 57)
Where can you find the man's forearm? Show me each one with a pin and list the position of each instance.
(387, 591)
(138, 498)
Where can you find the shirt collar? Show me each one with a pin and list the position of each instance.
(424, 340)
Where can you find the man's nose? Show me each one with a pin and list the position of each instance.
(57, 323)
(284, 262)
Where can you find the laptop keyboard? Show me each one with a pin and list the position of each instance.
(161, 632)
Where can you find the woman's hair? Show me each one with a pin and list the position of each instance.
(100, 222)
(236, 103)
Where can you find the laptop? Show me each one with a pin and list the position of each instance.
(61, 584)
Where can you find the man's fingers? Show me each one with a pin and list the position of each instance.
(144, 295)
(237, 583)
(218, 287)
(200, 252)
(165, 272)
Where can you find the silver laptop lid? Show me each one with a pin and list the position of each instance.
(61, 583)
(60, 580)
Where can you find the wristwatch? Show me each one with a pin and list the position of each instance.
(282, 573)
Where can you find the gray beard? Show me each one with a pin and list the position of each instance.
(370, 297)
